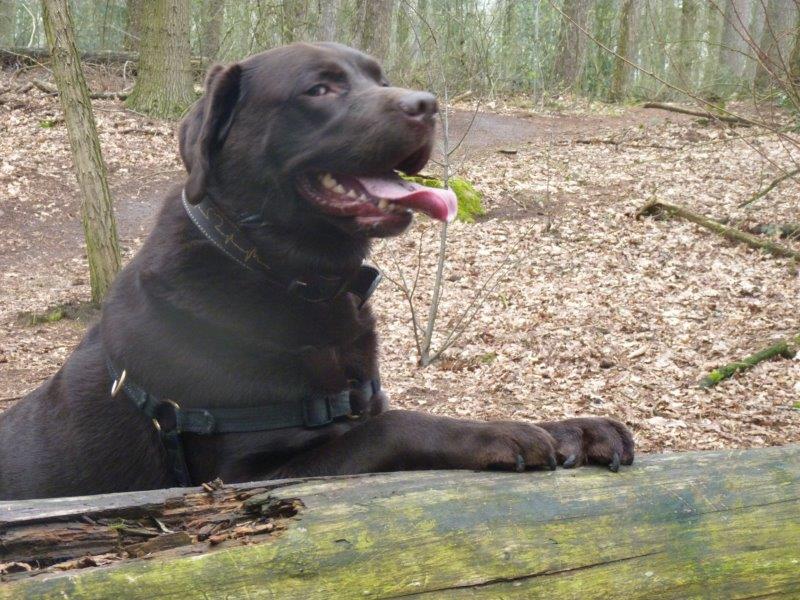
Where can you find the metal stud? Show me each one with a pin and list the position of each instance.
(118, 383)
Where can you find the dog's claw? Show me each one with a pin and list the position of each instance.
(614, 466)
(520, 463)
(570, 462)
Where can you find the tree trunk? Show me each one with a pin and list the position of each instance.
(794, 65)
(686, 53)
(294, 16)
(733, 41)
(133, 25)
(8, 21)
(329, 14)
(619, 79)
(102, 247)
(773, 48)
(164, 81)
(571, 42)
(213, 13)
(376, 27)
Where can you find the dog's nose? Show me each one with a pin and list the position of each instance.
(419, 105)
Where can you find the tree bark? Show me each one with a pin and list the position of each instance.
(686, 53)
(133, 25)
(571, 42)
(164, 81)
(376, 27)
(213, 14)
(733, 41)
(722, 524)
(8, 21)
(329, 15)
(773, 47)
(102, 247)
(294, 17)
(794, 64)
(619, 78)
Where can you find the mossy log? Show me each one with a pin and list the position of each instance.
(731, 233)
(729, 118)
(784, 348)
(693, 525)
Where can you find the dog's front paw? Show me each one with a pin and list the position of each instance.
(591, 440)
(508, 445)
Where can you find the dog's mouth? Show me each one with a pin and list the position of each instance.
(376, 196)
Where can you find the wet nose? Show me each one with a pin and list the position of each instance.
(419, 105)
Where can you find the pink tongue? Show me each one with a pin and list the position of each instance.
(436, 203)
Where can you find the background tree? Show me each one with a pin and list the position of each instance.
(102, 247)
(571, 42)
(213, 13)
(8, 20)
(618, 87)
(375, 27)
(164, 86)
(685, 54)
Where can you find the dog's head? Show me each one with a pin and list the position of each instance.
(312, 135)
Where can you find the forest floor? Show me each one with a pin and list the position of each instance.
(588, 311)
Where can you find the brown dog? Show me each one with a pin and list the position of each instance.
(236, 343)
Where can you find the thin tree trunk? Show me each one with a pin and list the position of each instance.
(773, 64)
(376, 27)
(102, 247)
(213, 13)
(133, 25)
(794, 65)
(8, 14)
(620, 77)
(571, 43)
(164, 81)
(328, 11)
(733, 42)
(686, 54)
(294, 14)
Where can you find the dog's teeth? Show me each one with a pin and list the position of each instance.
(339, 188)
(363, 198)
(328, 181)
(352, 194)
(383, 204)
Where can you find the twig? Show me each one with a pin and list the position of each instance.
(785, 348)
(49, 88)
(775, 182)
(736, 235)
(736, 120)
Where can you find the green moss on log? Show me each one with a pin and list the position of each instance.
(694, 525)
(470, 200)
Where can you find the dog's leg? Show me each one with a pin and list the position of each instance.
(404, 440)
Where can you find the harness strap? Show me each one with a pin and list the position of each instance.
(172, 420)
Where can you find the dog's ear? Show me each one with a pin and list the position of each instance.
(203, 130)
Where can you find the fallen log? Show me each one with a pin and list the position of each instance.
(49, 88)
(772, 185)
(731, 233)
(10, 56)
(784, 348)
(733, 119)
(701, 524)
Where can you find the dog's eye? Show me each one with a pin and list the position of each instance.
(318, 90)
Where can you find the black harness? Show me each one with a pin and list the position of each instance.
(316, 411)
